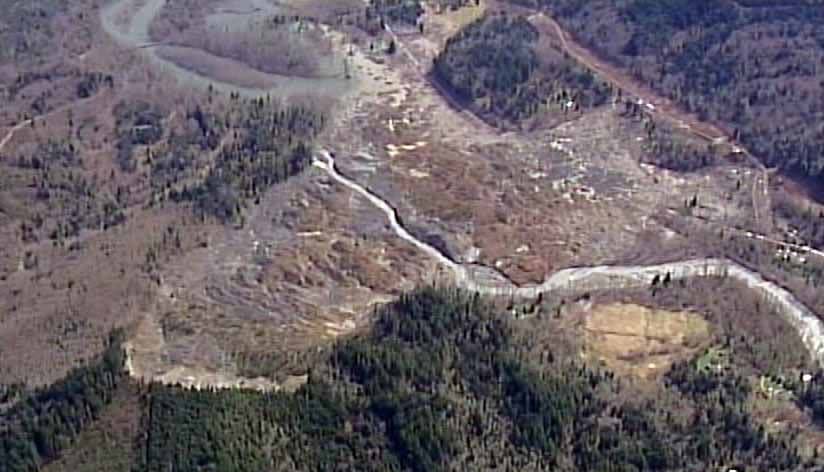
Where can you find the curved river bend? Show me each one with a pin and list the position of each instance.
(809, 326)
(133, 33)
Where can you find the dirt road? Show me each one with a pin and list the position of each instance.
(11, 132)
(653, 103)
(666, 110)
(762, 204)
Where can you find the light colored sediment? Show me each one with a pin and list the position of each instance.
(809, 326)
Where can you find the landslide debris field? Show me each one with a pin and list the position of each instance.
(157, 175)
(244, 193)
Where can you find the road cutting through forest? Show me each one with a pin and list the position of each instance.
(665, 109)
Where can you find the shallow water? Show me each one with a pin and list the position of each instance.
(135, 34)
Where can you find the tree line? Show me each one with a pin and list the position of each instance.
(443, 380)
(752, 66)
(37, 428)
(493, 66)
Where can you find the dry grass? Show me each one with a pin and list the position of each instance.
(308, 268)
(642, 342)
(529, 208)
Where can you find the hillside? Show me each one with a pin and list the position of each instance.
(442, 381)
(254, 235)
(750, 66)
(493, 66)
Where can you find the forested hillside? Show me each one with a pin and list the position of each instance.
(37, 429)
(492, 65)
(444, 381)
(751, 65)
(269, 143)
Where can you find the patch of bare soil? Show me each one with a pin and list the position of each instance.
(308, 267)
(639, 341)
(148, 352)
(524, 203)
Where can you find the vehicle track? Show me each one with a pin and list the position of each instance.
(14, 129)
(665, 109)
(654, 104)
(809, 326)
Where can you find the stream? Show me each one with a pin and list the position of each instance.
(808, 325)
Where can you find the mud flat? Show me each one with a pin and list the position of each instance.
(128, 24)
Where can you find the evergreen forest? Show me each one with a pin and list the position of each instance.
(443, 380)
(752, 66)
(494, 66)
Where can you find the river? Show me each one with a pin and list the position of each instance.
(134, 34)
(808, 325)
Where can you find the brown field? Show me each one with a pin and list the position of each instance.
(312, 262)
(529, 207)
(640, 341)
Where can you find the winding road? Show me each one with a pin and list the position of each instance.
(809, 326)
